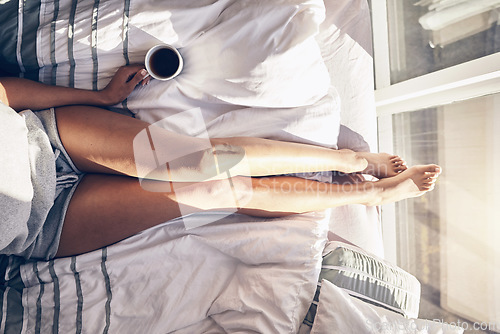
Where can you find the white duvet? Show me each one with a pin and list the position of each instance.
(253, 67)
(238, 275)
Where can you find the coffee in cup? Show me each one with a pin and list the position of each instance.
(164, 62)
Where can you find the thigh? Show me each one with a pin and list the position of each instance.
(108, 208)
(98, 140)
(101, 141)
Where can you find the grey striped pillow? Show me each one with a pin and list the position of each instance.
(367, 277)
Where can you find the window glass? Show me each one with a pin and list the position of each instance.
(450, 238)
(430, 35)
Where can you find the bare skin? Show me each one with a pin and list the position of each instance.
(105, 144)
(20, 94)
(382, 165)
(413, 182)
(111, 203)
(121, 207)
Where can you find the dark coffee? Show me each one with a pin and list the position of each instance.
(164, 63)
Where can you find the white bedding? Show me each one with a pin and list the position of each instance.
(252, 67)
(245, 274)
(241, 274)
(338, 312)
(346, 45)
(240, 85)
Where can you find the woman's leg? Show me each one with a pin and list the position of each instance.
(108, 208)
(100, 141)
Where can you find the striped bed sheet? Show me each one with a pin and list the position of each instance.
(14, 310)
(11, 292)
(26, 23)
(235, 272)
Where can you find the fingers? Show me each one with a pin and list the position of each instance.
(133, 74)
(123, 83)
(125, 73)
(140, 76)
(134, 67)
(139, 69)
(146, 80)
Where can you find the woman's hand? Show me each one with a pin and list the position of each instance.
(123, 83)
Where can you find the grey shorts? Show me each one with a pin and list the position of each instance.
(68, 178)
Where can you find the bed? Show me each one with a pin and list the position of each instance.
(306, 76)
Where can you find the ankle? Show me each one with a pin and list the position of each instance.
(360, 161)
(353, 161)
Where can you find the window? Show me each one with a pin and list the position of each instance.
(438, 101)
(426, 36)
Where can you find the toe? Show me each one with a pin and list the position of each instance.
(400, 163)
(427, 183)
(427, 187)
(399, 169)
(437, 169)
(431, 168)
(431, 175)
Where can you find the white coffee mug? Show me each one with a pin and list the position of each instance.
(164, 62)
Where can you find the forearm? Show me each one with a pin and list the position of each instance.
(22, 94)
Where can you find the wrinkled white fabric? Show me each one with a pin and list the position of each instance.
(346, 45)
(243, 273)
(252, 62)
(340, 313)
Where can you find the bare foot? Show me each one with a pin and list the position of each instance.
(382, 165)
(413, 182)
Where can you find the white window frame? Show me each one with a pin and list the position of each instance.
(475, 78)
